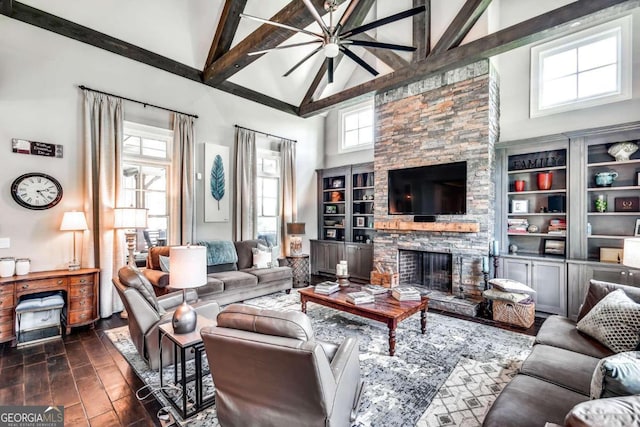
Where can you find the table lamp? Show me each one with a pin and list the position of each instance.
(188, 270)
(74, 221)
(631, 252)
(130, 219)
(295, 230)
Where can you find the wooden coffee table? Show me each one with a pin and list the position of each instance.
(385, 309)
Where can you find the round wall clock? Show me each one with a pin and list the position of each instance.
(36, 191)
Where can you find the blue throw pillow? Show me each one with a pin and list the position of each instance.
(617, 375)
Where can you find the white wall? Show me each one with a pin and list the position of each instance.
(40, 101)
(514, 70)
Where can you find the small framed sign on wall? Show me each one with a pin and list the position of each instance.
(46, 149)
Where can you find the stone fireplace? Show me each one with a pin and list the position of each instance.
(430, 270)
(444, 118)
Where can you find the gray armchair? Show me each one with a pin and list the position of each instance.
(269, 370)
(146, 313)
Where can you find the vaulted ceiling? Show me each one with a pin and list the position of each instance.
(209, 42)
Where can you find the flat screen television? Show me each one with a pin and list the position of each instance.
(429, 190)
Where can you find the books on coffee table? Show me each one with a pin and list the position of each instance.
(375, 289)
(406, 293)
(327, 288)
(360, 297)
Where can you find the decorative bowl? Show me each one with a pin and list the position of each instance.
(623, 150)
(330, 222)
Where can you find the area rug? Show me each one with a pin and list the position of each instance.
(399, 389)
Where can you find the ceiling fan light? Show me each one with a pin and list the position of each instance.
(331, 50)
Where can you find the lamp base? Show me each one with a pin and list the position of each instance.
(295, 245)
(74, 265)
(184, 319)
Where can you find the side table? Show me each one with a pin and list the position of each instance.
(181, 344)
(300, 266)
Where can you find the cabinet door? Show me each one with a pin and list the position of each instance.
(548, 280)
(360, 260)
(576, 288)
(325, 256)
(517, 269)
(613, 273)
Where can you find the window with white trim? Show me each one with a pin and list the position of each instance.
(146, 162)
(269, 194)
(356, 127)
(588, 68)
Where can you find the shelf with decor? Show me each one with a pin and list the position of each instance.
(362, 197)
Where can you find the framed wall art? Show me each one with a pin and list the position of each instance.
(216, 183)
(519, 206)
(360, 221)
(554, 247)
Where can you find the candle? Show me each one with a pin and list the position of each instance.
(496, 247)
(485, 264)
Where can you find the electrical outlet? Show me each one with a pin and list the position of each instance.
(5, 243)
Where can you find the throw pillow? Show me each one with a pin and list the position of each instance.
(261, 259)
(505, 296)
(274, 250)
(164, 263)
(617, 375)
(509, 285)
(614, 321)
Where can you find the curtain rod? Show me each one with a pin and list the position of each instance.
(266, 134)
(146, 104)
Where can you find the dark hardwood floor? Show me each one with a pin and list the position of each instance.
(84, 372)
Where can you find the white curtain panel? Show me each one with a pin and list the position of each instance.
(245, 218)
(289, 207)
(105, 247)
(182, 182)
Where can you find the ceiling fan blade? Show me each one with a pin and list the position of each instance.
(316, 16)
(277, 24)
(302, 61)
(380, 45)
(383, 21)
(346, 15)
(260, 52)
(358, 60)
(330, 69)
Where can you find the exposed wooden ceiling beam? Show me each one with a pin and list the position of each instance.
(267, 36)
(521, 34)
(227, 27)
(53, 23)
(422, 30)
(6, 6)
(252, 95)
(461, 25)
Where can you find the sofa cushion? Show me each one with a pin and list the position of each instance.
(617, 375)
(614, 321)
(561, 367)
(222, 267)
(133, 278)
(558, 331)
(213, 286)
(281, 323)
(611, 412)
(245, 256)
(235, 279)
(267, 275)
(530, 402)
(598, 290)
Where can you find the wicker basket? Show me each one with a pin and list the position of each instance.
(387, 280)
(521, 315)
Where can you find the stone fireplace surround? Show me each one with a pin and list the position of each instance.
(442, 119)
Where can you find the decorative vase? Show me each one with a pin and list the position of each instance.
(544, 180)
(519, 185)
(622, 150)
(601, 204)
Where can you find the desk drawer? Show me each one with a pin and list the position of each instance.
(81, 280)
(6, 324)
(81, 304)
(76, 317)
(6, 301)
(43, 285)
(6, 290)
(79, 291)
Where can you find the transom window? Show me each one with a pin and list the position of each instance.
(356, 127)
(268, 195)
(588, 68)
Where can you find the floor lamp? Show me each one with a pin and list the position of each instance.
(130, 219)
(74, 221)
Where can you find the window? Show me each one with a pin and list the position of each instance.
(356, 127)
(585, 69)
(146, 163)
(268, 195)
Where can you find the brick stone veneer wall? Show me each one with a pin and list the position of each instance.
(442, 119)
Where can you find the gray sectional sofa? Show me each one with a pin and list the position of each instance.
(553, 385)
(227, 282)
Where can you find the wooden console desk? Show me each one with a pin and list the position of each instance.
(80, 292)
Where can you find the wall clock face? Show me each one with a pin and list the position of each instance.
(36, 191)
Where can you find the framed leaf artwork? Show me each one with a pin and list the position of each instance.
(216, 183)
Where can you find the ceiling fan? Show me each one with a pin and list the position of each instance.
(334, 40)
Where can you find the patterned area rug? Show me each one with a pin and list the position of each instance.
(471, 360)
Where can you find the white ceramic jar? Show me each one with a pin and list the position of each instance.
(7, 266)
(23, 265)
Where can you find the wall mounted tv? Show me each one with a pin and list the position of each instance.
(429, 190)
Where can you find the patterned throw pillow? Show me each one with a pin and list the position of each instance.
(508, 285)
(617, 375)
(614, 321)
(261, 259)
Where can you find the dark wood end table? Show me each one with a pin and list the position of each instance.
(300, 266)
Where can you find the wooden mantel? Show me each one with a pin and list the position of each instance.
(452, 227)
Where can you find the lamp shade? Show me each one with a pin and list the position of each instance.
(74, 221)
(295, 228)
(129, 218)
(188, 265)
(631, 252)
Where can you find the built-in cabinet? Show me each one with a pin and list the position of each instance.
(558, 238)
(345, 220)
